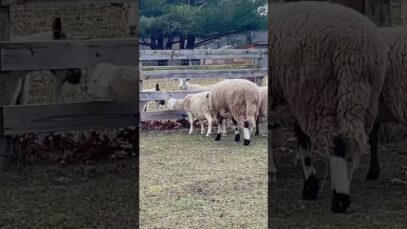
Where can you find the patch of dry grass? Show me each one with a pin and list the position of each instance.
(55, 197)
(191, 181)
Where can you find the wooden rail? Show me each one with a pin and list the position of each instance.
(40, 55)
(56, 2)
(202, 54)
(257, 71)
(67, 117)
(16, 58)
(164, 95)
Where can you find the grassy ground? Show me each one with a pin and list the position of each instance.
(101, 196)
(376, 204)
(191, 181)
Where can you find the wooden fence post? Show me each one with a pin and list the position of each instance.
(5, 92)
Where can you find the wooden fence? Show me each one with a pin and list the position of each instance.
(19, 58)
(256, 71)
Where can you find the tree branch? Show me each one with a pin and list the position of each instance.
(210, 39)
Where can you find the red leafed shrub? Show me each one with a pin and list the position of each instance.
(85, 146)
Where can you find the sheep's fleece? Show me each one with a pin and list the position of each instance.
(240, 97)
(109, 81)
(394, 92)
(327, 73)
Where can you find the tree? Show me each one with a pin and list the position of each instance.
(164, 23)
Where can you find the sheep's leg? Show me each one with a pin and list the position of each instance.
(224, 127)
(246, 133)
(341, 177)
(374, 170)
(257, 126)
(210, 123)
(237, 134)
(311, 184)
(191, 122)
(220, 120)
(202, 127)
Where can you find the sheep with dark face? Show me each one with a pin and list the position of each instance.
(327, 68)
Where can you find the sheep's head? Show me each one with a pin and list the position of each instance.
(183, 84)
(171, 103)
(98, 86)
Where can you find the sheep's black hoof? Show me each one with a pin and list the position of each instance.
(257, 132)
(340, 202)
(237, 138)
(246, 142)
(373, 174)
(217, 138)
(311, 188)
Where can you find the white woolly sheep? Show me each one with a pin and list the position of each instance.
(327, 68)
(393, 99)
(71, 76)
(197, 107)
(238, 99)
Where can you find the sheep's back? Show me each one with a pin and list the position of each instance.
(326, 60)
(234, 93)
(394, 91)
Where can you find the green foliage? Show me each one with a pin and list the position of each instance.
(199, 18)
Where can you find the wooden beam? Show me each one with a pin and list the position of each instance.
(63, 54)
(67, 117)
(201, 54)
(164, 95)
(6, 90)
(197, 74)
(56, 2)
(162, 115)
(197, 67)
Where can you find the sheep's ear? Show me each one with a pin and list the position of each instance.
(207, 96)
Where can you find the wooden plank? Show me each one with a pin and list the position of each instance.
(162, 115)
(63, 54)
(197, 74)
(57, 2)
(170, 115)
(197, 67)
(68, 117)
(5, 89)
(164, 95)
(201, 54)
